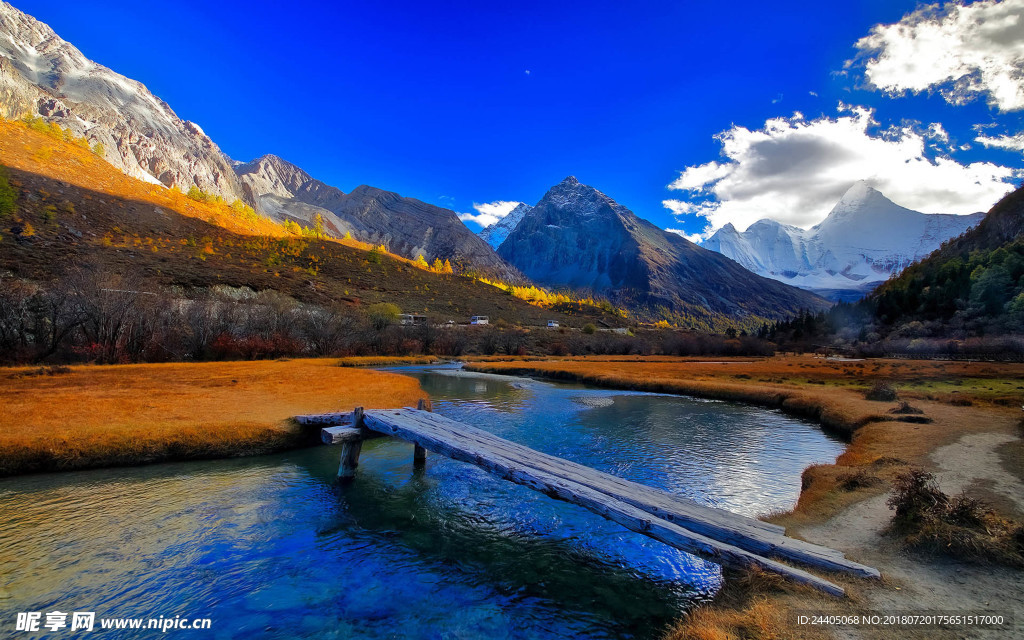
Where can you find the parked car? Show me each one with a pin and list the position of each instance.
(479, 320)
(552, 324)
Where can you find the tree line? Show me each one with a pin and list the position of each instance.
(91, 314)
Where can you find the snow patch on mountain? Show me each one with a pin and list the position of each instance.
(496, 233)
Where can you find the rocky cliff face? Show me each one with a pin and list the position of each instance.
(865, 239)
(405, 226)
(578, 237)
(41, 74)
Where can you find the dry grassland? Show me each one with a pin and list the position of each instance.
(95, 416)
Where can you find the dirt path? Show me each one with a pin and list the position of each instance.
(913, 585)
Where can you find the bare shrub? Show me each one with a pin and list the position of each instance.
(881, 392)
(961, 526)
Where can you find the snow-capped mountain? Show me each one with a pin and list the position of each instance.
(496, 233)
(865, 239)
(41, 74)
(580, 238)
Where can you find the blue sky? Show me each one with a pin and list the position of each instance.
(462, 103)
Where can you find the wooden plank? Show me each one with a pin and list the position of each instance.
(706, 521)
(672, 506)
(401, 424)
(346, 433)
(325, 418)
(340, 434)
(716, 523)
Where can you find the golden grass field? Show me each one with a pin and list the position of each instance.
(130, 414)
(957, 398)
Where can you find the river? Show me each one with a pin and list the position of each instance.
(271, 548)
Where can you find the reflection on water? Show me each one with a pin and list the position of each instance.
(270, 547)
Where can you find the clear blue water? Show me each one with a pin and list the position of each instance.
(272, 547)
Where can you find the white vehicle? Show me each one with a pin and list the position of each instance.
(479, 320)
(552, 324)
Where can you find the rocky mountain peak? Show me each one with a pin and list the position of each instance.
(862, 199)
(269, 174)
(573, 198)
(576, 236)
(46, 76)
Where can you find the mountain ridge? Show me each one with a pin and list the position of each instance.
(406, 226)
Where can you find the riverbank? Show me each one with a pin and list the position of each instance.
(63, 418)
(965, 433)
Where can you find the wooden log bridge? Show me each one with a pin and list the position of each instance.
(720, 536)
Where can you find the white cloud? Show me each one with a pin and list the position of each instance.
(813, 93)
(696, 178)
(962, 50)
(695, 238)
(938, 132)
(1011, 143)
(795, 170)
(489, 212)
(680, 207)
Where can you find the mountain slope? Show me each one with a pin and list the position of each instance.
(496, 233)
(74, 209)
(865, 239)
(578, 237)
(406, 226)
(41, 74)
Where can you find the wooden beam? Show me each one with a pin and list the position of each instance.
(345, 433)
(400, 423)
(325, 418)
(717, 524)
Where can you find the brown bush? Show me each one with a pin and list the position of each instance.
(906, 409)
(881, 392)
(961, 527)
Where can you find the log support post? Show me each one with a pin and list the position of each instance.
(419, 454)
(350, 450)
